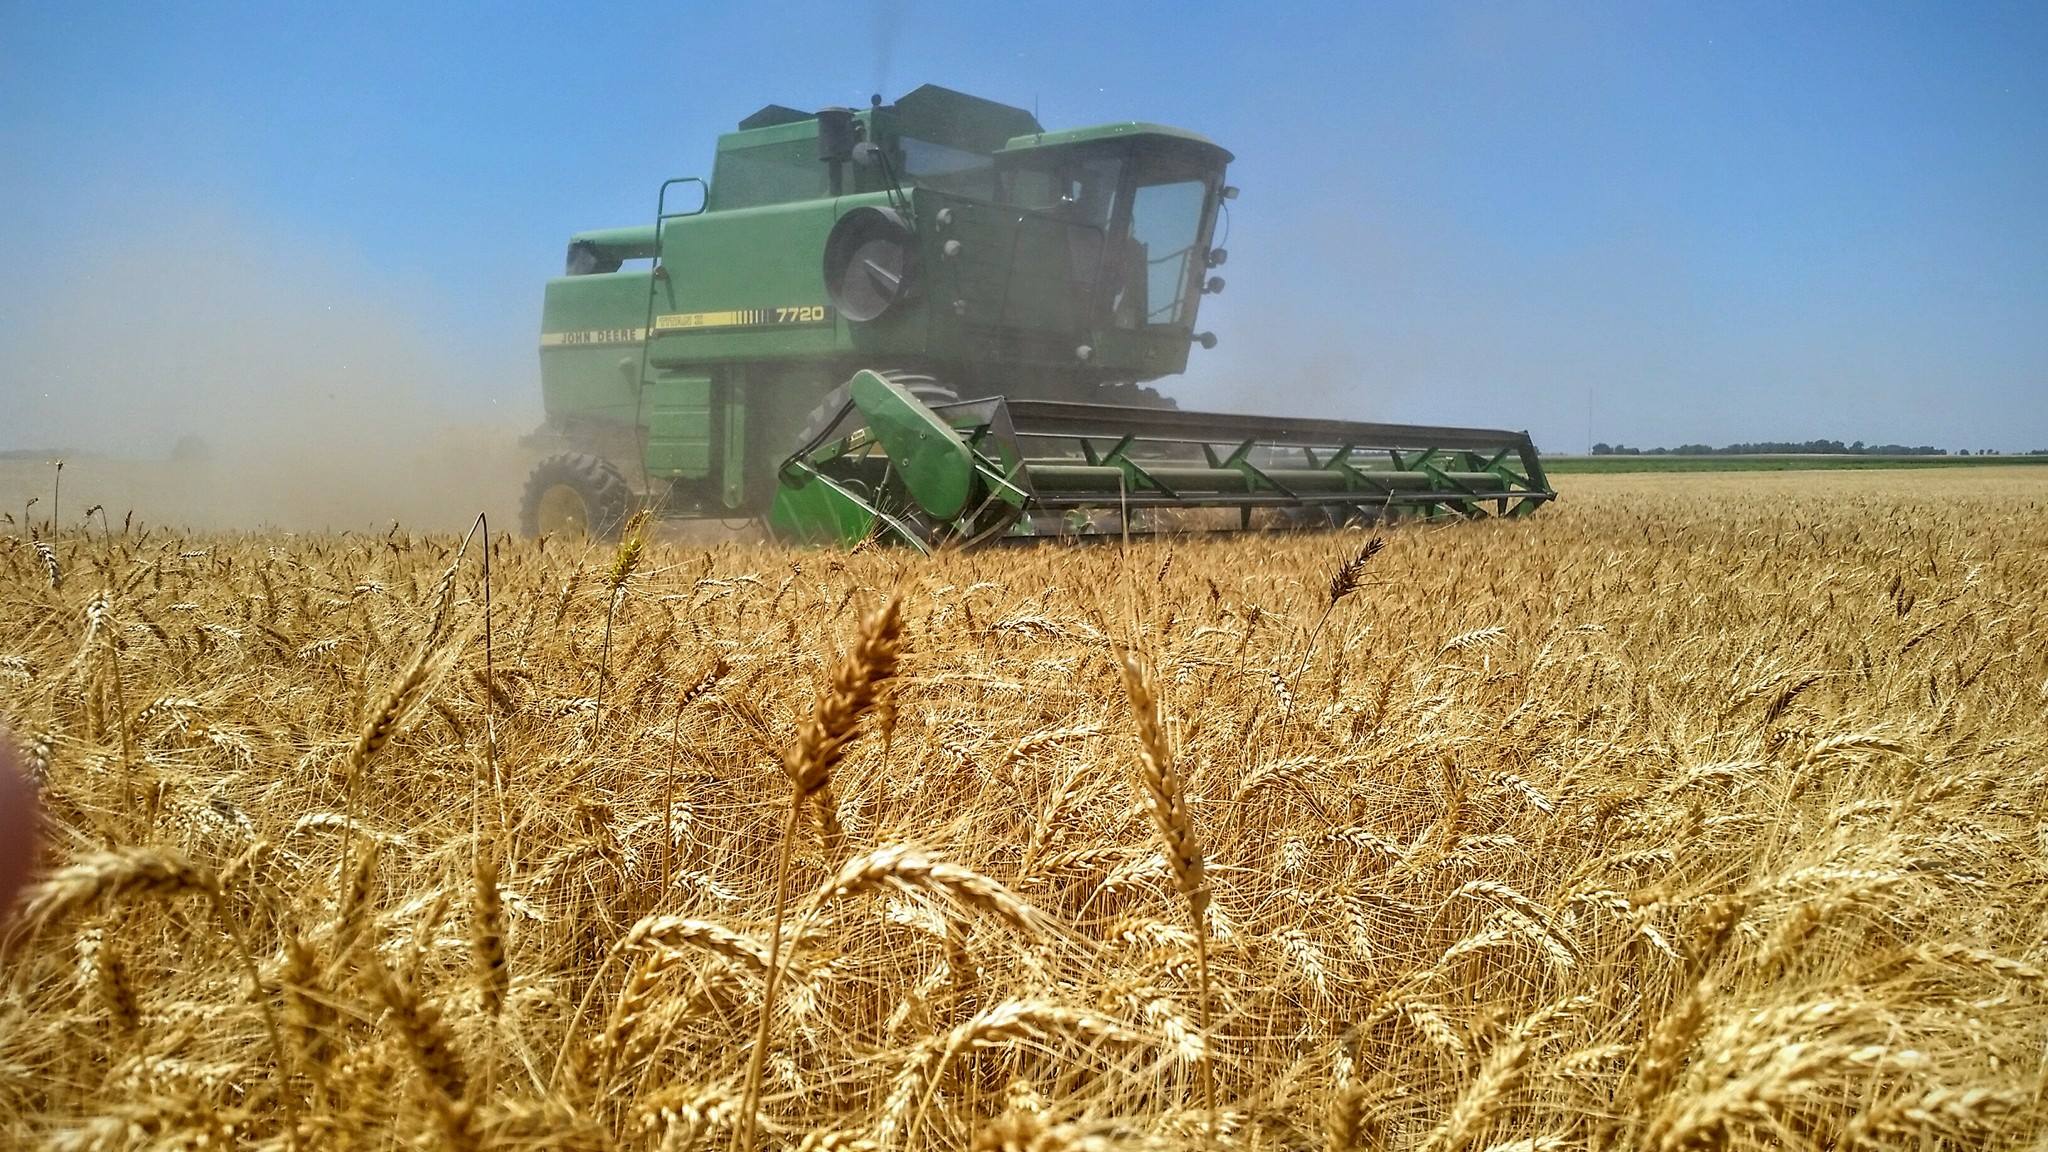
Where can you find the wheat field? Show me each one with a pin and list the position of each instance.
(1694, 812)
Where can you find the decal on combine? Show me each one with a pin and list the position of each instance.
(745, 318)
(592, 336)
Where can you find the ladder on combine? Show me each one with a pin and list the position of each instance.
(983, 470)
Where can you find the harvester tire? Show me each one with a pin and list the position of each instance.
(926, 389)
(575, 494)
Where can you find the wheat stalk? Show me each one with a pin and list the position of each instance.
(116, 988)
(163, 873)
(671, 931)
(699, 689)
(431, 1045)
(1349, 578)
(1008, 1022)
(487, 934)
(1165, 795)
(809, 763)
(160, 872)
(632, 542)
(910, 869)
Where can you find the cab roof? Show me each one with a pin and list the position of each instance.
(1120, 130)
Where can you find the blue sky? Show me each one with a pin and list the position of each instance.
(1693, 222)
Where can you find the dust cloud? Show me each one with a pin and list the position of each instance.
(201, 376)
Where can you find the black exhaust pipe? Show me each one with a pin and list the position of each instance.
(838, 132)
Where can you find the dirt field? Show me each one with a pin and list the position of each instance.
(1699, 811)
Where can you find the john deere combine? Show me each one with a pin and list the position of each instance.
(931, 322)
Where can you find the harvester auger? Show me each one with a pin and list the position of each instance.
(796, 347)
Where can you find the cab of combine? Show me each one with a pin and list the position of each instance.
(946, 240)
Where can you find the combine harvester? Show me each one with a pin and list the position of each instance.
(794, 344)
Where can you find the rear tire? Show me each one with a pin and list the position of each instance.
(575, 494)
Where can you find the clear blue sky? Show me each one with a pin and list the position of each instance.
(1712, 221)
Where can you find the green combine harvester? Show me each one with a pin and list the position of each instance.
(933, 322)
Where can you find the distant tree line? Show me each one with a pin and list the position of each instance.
(1785, 448)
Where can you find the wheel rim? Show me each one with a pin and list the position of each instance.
(562, 511)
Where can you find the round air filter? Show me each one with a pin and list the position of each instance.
(870, 262)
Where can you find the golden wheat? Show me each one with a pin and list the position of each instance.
(1686, 815)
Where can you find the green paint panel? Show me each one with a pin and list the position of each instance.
(590, 346)
(935, 466)
(745, 286)
(818, 513)
(677, 413)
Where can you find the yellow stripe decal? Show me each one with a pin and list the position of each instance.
(732, 319)
(687, 321)
(745, 318)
